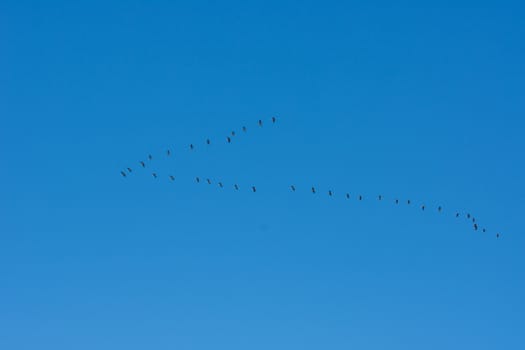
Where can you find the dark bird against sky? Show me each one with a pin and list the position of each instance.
(292, 187)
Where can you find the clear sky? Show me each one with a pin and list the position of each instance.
(420, 100)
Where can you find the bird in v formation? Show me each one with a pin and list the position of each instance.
(293, 188)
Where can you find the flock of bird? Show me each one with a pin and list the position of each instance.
(191, 147)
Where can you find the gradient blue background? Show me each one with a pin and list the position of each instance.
(417, 101)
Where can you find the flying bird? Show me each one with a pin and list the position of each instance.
(408, 201)
(439, 209)
(228, 139)
(273, 119)
(423, 207)
(473, 219)
(208, 141)
(233, 133)
(154, 175)
(209, 181)
(497, 235)
(150, 157)
(236, 187)
(220, 184)
(143, 164)
(330, 193)
(244, 128)
(484, 230)
(254, 189)
(476, 227)
(292, 187)
(397, 201)
(360, 197)
(468, 216)
(313, 189)
(197, 179)
(168, 153)
(260, 122)
(191, 146)
(348, 196)
(457, 215)
(129, 170)
(123, 174)
(379, 197)
(172, 177)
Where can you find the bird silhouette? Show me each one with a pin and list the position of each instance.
(126, 171)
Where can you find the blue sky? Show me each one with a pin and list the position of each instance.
(403, 99)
